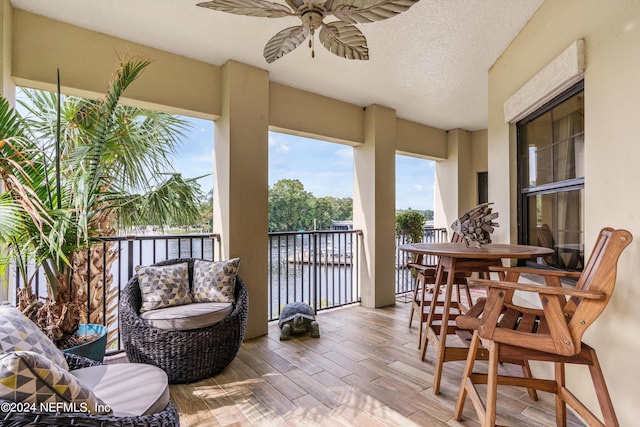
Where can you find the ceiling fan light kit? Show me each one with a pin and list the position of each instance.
(339, 36)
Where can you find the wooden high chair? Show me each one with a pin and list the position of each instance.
(424, 290)
(551, 334)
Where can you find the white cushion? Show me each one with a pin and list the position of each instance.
(190, 316)
(130, 389)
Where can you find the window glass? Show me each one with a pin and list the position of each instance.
(556, 222)
(551, 170)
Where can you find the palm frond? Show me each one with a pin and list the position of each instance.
(174, 201)
(11, 217)
(10, 122)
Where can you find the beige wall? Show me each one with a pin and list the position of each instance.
(611, 31)
(302, 113)
(456, 181)
(86, 61)
(6, 90)
(479, 151)
(417, 140)
(6, 85)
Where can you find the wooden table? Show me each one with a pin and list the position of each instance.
(454, 258)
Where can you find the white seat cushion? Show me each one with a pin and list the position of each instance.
(130, 389)
(188, 316)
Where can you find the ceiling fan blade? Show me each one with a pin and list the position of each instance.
(284, 42)
(295, 4)
(363, 11)
(262, 8)
(344, 40)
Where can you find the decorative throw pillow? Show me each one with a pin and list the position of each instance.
(17, 333)
(215, 281)
(28, 377)
(163, 286)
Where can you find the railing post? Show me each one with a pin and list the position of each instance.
(130, 239)
(359, 239)
(88, 283)
(105, 248)
(215, 237)
(315, 272)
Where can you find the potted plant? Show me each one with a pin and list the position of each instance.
(410, 224)
(410, 228)
(69, 176)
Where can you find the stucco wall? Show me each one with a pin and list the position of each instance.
(611, 31)
(456, 177)
(6, 85)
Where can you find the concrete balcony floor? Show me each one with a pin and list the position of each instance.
(365, 370)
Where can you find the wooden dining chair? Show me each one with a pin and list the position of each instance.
(423, 290)
(552, 333)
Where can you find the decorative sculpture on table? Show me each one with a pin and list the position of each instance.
(476, 225)
(298, 318)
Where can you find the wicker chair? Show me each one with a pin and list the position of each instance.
(167, 418)
(189, 355)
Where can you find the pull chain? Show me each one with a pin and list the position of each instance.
(311, 44)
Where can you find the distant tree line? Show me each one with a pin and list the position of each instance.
(291, 208)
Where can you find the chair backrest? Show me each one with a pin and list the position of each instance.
(598, 275)
(546, 240)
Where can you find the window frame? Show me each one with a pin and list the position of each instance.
(524, 193)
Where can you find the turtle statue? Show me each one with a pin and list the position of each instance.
(298, 318)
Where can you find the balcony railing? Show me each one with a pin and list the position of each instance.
(318, 267)
(404, 280)
(124, 253)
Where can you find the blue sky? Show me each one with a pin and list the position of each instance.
(325, 169)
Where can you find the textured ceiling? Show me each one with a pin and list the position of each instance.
(429, 63)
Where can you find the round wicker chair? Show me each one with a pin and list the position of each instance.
(185, 356)
(167, 418)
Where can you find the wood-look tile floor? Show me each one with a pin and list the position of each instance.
(364, 370)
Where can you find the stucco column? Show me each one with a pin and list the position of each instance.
(241, 181)
(374, 203)
(454, 181)
(7, 90)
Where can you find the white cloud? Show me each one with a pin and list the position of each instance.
(283, 148)
(272, 140)
(418, 187)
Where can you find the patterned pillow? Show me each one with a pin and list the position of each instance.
(163, 286)
(17, 333)
(215, 281)
(27, 377)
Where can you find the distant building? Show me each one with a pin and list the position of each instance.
(341, 225)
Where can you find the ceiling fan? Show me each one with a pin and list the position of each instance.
(339, 36)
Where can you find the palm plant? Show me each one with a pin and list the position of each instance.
(70, 170)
